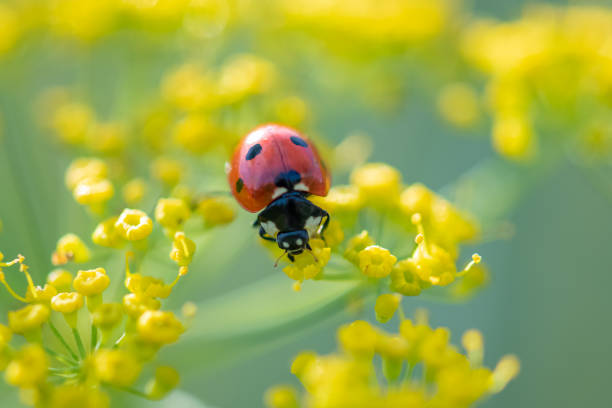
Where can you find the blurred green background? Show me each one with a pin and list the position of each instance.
(548, 300)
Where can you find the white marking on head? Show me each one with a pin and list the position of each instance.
(299, 241)
(270, 228)
(285, 244)
(312, 225)
(278, 192)
(301, 187)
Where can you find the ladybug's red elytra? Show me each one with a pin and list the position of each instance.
(273, 170)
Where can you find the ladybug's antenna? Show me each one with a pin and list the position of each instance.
(312, 253)
(279, 258)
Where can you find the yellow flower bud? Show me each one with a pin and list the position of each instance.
(147, 286)
(434, 264)
(72, 121)
(358, 338)
(309, 265)
(196, 134)
(417, 199)
(60, 279)
(379, 184)
(168, 171)
(134, 225)
(301, 362)
(513, 136)
(245, 75)
(116, 367)
(281, 396)
(91, 282)
(40, 294)
(404, 278)
(106, 234)
(107, 138)
(474, 345)
(5, 335)
(188, 88)
(107, 315)
(216, 211)
(70, 248)
(166, 379)
(159, 327)
(340, 199)
(83, 169)
(333, 234)
(292, 110)
(134, 191)
(183, 249)
(458, 104)
(136, 304)
(356, 245)
(505, 371)
(28, 318)
(376, 262)
(386, 305)
(28, 368)
(67, 302)
(171, 213)
(93, 191)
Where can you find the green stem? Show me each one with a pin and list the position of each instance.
(134, 392)
(94, 337)
(60, 357)
(340, 277)
(79, 342)
(61, 339)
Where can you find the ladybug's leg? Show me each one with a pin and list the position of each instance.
(325, 223)
(263, 234)
(291, 257)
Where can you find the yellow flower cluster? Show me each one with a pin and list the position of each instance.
(420, 366)
(410, 214)
(553, 62)
(122, 337)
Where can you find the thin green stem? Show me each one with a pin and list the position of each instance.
(79, 342)
(94, 337)
(133, 391)
(60, 357)
(340, 277)
(61, 339)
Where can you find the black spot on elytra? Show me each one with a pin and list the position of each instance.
(298, 141)
(253, 151)
(288, 179)
(239, 185)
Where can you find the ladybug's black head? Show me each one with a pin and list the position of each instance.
(294, 242)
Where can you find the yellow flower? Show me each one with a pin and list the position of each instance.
(85, 168)
(216, 211)
(60, 279)
(116, 367)
(91, 282)
(301, 362)
(433, 264)
(245, 75)
(40, 294)
(378, 183)
(340, 199)
(505, 371)
(29, 367)
(67, 302)
(70, 248)
(106, 234)
(147, 286)
(513, 136)
(168, 171)
(165, 380)
(5, 335)
(386, 305)
(356, 245)
(376, 262)
(93, 191)
(159, 327)
(417, 199)
(333, 235)
(404, 278)
(196, 134)
(72, 395)
(183, 249)
(171, 213)
(134, 225)
(358, 338)
(309, 265)
(9, 28)
(291, 110)
(134, 191)
(458, 104)
(281, 396)
(474, 345)
(29, 318)
(107, 315)
(107, 138)
(189, 88)
(136, 304)
(71, 121)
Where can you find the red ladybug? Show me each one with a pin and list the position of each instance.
(275, 168)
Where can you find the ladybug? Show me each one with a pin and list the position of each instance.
(273, 170)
